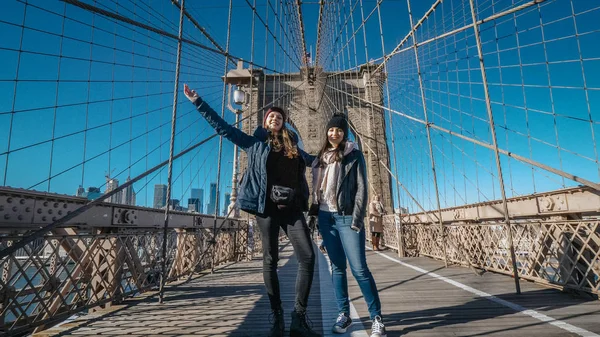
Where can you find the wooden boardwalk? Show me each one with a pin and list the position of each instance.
(419, 296)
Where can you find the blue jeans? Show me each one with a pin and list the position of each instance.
(342, 242)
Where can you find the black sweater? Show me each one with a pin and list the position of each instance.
(283, 171)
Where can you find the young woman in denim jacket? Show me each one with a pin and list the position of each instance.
(340, 190)
(273, 160)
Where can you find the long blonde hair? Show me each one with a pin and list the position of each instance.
(285, 141)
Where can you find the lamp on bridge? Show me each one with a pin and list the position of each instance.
(240, 78)
(239, 96)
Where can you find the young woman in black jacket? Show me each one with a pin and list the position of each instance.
(340, 193)
(274, 188)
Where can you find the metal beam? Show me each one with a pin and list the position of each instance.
(21, 209)
(580, 201)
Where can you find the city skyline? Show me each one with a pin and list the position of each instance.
(126, 196)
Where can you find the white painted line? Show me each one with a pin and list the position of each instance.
(357, 329)
(532, 313)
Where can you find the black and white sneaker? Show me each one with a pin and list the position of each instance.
(342, 323)
(378, 329)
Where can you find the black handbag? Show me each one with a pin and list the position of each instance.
(282, 195)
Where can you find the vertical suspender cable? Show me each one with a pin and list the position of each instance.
(391, 124)
(370, 92)
(428, 130)
(163, 274)
(488, 104)
(224, 97)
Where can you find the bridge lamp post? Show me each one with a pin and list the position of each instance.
(240, 78)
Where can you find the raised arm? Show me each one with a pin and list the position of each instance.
(235, 135)
(308, 158)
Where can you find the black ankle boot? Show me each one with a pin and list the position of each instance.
(278, 328)
(299, 327)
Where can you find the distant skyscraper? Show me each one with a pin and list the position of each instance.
(160, 196)
(226, 203)
(198, 193)
(80, 191)
(212, 199)
(128, 194)
(112, 184)
(174, 204)
(193, 205)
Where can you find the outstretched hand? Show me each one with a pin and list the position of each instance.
(192, 95)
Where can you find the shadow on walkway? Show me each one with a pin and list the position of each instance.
(230, 302)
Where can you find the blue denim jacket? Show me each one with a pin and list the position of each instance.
(252, 192)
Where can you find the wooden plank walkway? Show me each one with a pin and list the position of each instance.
(454, 301)
(419, 296)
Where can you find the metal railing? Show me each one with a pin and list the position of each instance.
(98, 259)
(556, 244)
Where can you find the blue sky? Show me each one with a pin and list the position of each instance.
(74, 110)
(536, 62)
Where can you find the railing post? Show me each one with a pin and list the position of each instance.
(233, 239)
(495, 144)
(400, 235)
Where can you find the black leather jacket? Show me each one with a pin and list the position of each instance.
(352, 197)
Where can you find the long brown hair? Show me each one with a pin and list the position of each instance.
(285, 141)
(339, 155)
